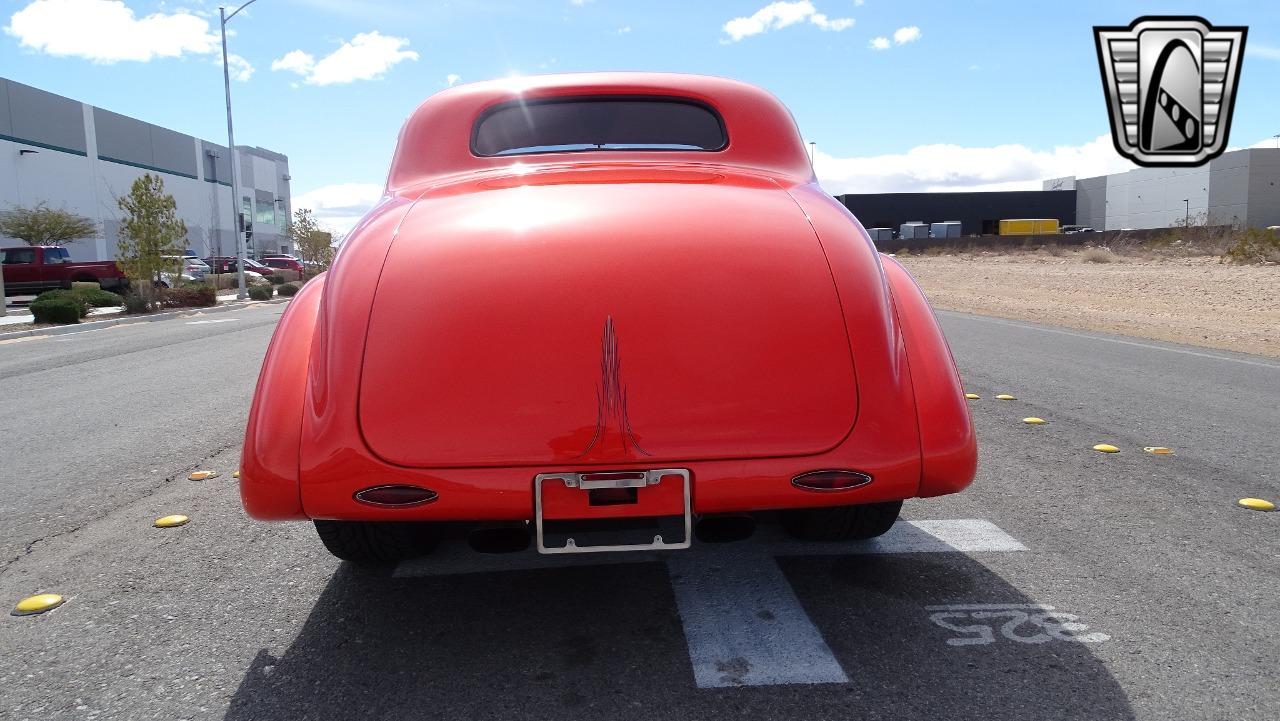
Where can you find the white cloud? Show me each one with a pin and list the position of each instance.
(834, 25)
(880, 43)
(1267, 52)
(295, 61)
(624, 29)
(932, 168)
(778, 15)
(240, 68)
(108, 31)
(902, 36)
(366, 57)
(340, 206)
(452, 79)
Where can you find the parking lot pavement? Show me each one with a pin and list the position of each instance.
(1065, 584)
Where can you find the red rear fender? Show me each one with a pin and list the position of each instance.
(949, 450)
(269, 461)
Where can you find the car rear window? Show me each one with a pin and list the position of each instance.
(598, 123)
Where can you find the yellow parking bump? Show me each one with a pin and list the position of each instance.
(235, 474)
(1158, 450)
(1005, 397)
(176, 519)
(1106, 448)
(1034, 421)
(1257, 504)
(31, 605)
(201, 475)
(972, 396)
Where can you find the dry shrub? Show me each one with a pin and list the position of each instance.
(195, 295)
(229, 281)
(286, 275)
(1254, 245)
(1055, 250)
(1098, 255)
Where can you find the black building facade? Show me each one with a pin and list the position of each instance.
(979, 213)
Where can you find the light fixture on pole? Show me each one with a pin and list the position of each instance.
(237, 211)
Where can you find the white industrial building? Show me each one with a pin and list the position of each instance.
(71, 155)
(1241, 187)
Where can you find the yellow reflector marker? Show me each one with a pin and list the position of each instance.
(1257, 504)
(972, 396)
(201, 475)
(170, 521)
(235, 474)
(1034, 421)
(1159, 450)
(1106, 448)
(40, 603)
(1005, 397)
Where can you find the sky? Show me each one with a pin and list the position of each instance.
(897, 95)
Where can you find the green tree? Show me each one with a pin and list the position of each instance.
(149, 230)
(313, 245)
(42, 225)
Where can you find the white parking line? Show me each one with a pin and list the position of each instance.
(211, 320)
(742, 621)
(745, 626)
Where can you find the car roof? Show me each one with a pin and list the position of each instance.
(435, 141)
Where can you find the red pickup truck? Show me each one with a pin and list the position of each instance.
(33, 269)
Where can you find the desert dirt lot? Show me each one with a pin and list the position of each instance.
(1197, 301)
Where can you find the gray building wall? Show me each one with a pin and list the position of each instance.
(1229, 188)
(1091, 202)
(1264, 188)
(85, 157)
(47, 120)
(1241, 187)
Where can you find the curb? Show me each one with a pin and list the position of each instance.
(130, 320)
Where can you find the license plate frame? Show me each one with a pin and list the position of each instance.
(587, 481)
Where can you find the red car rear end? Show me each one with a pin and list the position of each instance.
(573, 338)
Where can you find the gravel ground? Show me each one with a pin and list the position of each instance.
(1197, 301)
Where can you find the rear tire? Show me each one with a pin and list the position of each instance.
(372, 543)
(841, 523)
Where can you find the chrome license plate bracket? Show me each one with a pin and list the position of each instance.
(593, 480)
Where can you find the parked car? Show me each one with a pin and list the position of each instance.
(227, 264)
(283, 262)
(584, 316)
(192, 267)
(33, 269)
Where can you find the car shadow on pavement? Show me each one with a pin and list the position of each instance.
(606, 642)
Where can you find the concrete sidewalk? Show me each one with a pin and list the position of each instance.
(12, 326)
(20, 314)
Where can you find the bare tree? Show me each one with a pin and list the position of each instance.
(42, 225)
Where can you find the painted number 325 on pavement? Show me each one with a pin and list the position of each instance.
(982, 624)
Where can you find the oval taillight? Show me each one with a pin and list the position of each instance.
(396, 496)
(830, 480)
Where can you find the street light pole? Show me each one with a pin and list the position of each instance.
(1186, 218)
(237, 210)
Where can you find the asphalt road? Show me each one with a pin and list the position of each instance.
(1171, 589)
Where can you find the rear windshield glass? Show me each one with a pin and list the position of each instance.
(598, 123)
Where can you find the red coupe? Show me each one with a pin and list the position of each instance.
(603, 312)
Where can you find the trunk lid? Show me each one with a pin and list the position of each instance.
(605, 316)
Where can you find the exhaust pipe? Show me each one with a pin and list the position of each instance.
(724, 528)
(499, 538)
